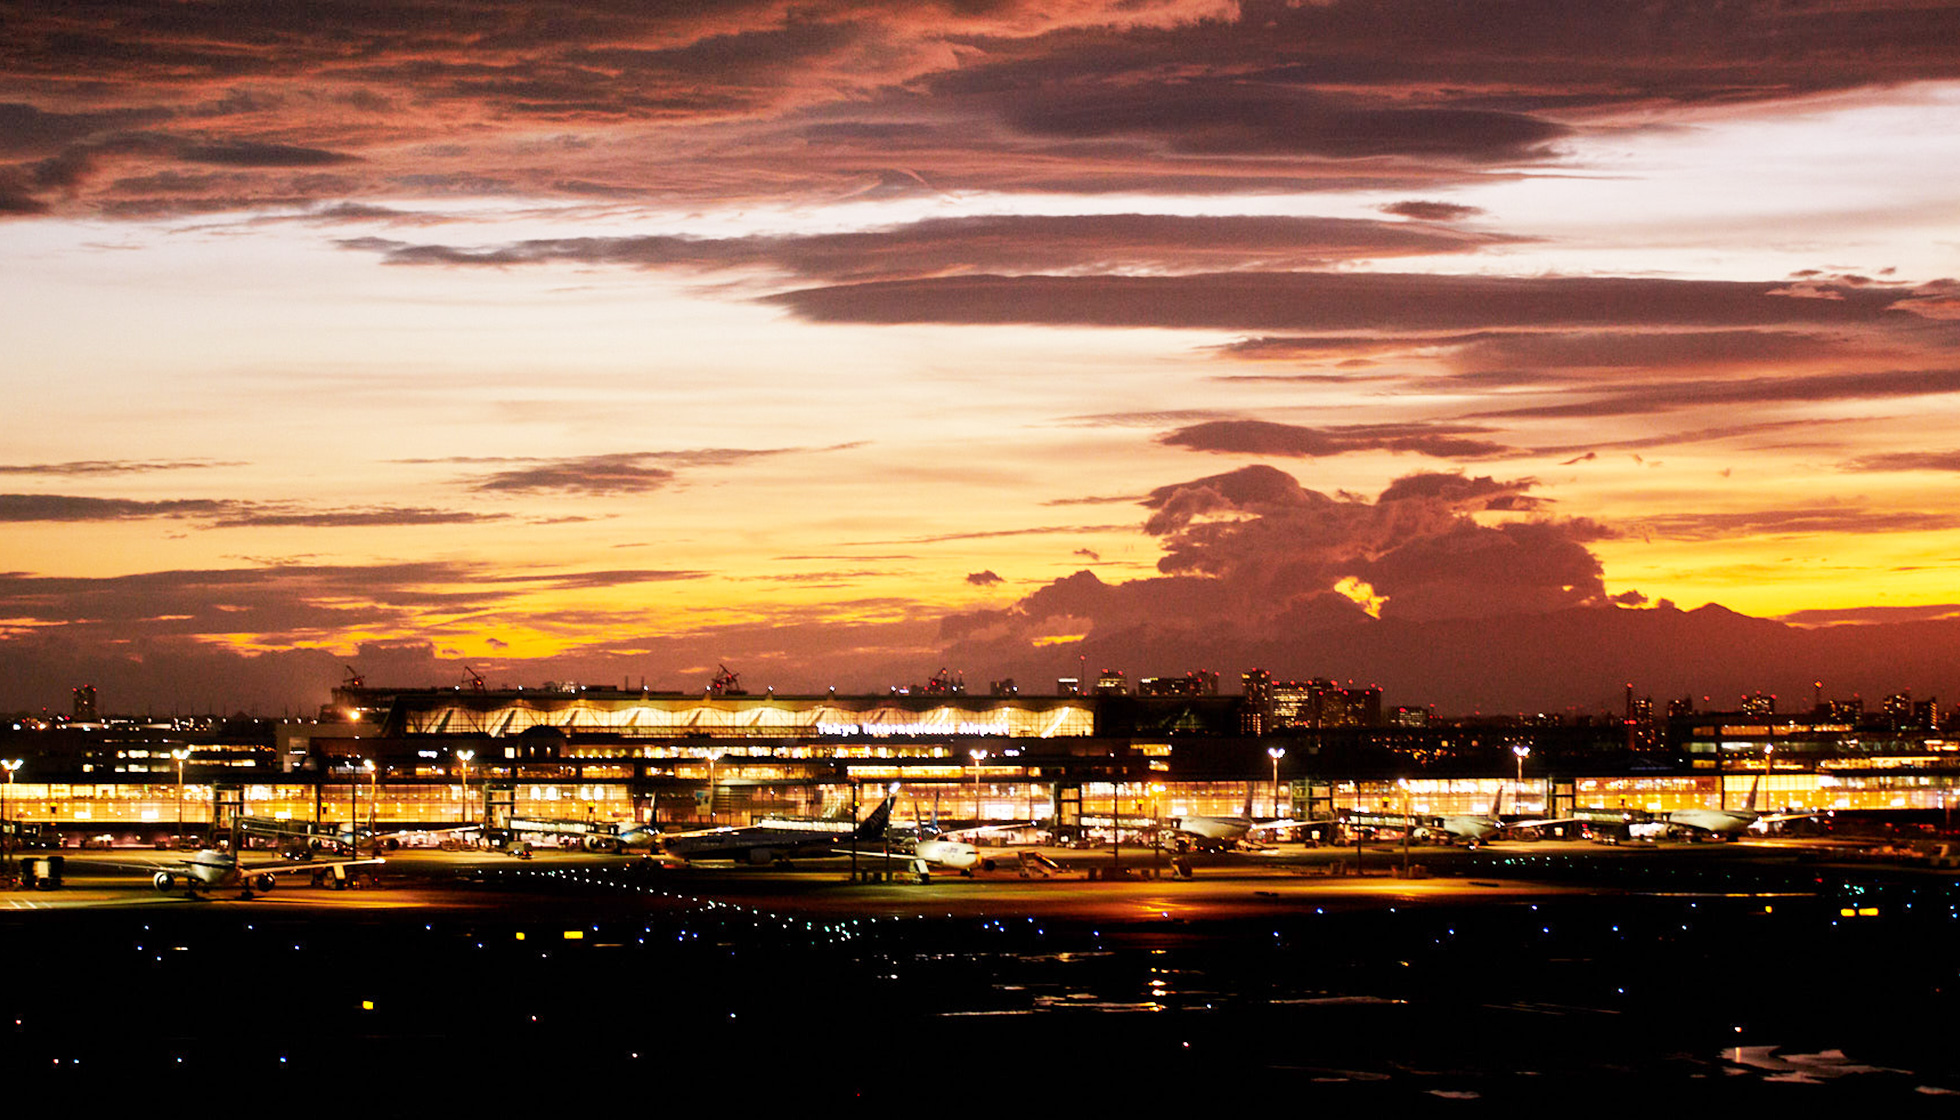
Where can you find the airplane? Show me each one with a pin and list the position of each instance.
(1227, 831)
(211, 869)
(1471, 829)
(775, 841)
(299, 839)
(1728, 824)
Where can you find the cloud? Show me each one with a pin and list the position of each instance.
(1907, 461)
(1012, 243)
(218, 513)
(983, 579)
(1430, 211)
(1327, 301)
(1818, 520)
(1250, 552)
(1668, 396)
(263, 518)
(284, 604)
(62, 507)
(592, 475)
(1264, 437)
(626, 472)
(112, 466)
(247, 153)
(1225, 117)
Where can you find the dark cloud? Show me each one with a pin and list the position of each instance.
(1217, 117)
(986, 243)
(628, 472)
(1617, 350)
(246, 153)
(216, 513)
(574, 581)
(567, 101)
(1869, 616)
(1819, 520)
(1327, 301)
(111, 466)
(63, 507)
(594, 475)
(269, 518)
(1431, 211)
(1668, 396)
(983, 579)
(1264, 437)
(1907, 461)
(1245, 551)
(285, 603)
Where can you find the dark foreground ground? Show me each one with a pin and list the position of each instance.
(1534, 975)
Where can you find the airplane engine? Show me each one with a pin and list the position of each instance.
(163, 880)
(761, 857)
(392, 843)
(263, 882)
(986, 865)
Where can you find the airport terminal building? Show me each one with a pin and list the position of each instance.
(612, 757)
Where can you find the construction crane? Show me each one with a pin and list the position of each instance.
(727, 682)
(474, 680)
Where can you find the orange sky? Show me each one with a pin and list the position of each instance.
(836, 341)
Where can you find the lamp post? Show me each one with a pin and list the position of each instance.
(1517, 794)
(712, 759)
(464, 757)
(374, 798)
(1409, 822)
(6, 822)
(977, 756)
(1275, 753)
(180, 754)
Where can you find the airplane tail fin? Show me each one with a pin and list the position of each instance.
(1750, 805)
(1497, 803)
(873, 825)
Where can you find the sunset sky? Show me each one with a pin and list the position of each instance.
(842, 341)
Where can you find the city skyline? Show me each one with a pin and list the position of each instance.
(1494, 354)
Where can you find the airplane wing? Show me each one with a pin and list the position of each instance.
(290, 867)
(985, 829)
(1540, 822)
(1779, 818)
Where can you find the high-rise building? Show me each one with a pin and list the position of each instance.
(85, 704)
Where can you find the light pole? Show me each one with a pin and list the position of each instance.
(1275, 753)
(6, 822)
(1517, 793)
(464, 757)
(1409, 822)
(712, 759)
(180, 754)
(977, 756)
(374, 798)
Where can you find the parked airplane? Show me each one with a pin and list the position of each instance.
(1730, 823)
(211, 869)
(299, 839)
(1227, 831)
(775, 841)
(1471, 829)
